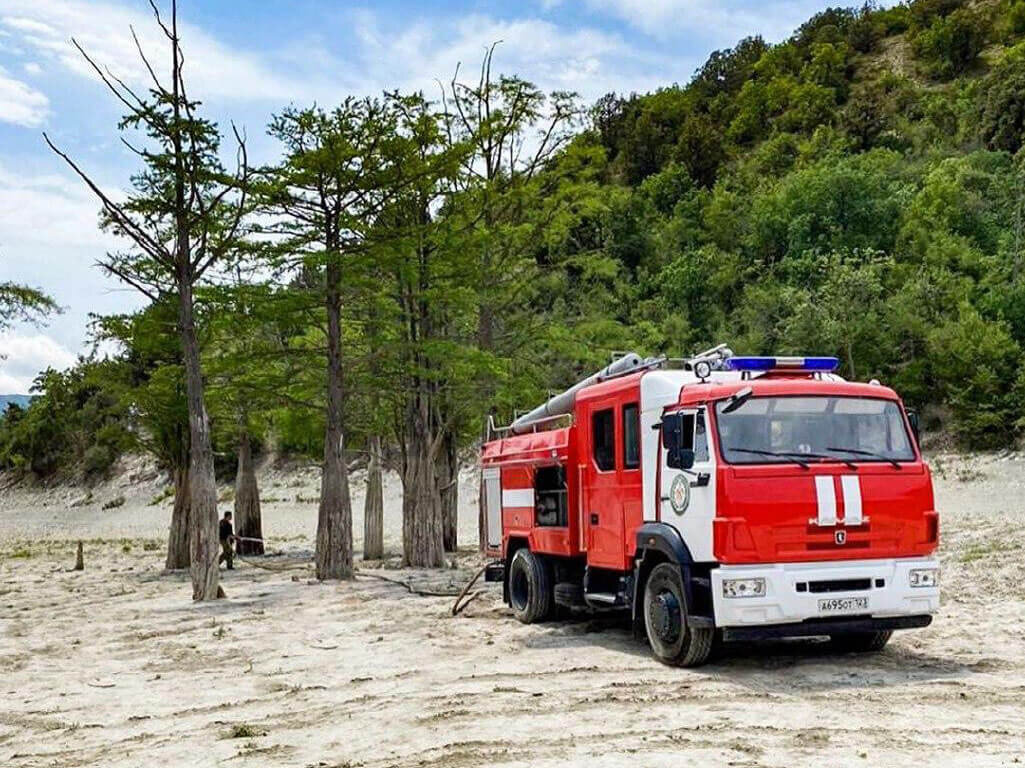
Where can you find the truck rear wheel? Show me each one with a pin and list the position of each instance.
(673, 641)
(530, 587)
(860, 642)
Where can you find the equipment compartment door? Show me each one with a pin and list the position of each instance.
(602, 491)
(492, 479)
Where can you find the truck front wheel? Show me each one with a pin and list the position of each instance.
(530, 587)
(673, 641)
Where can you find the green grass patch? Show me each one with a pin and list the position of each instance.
(244, 731)
(979, 550)
(165, 494)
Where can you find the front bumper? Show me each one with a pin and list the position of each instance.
(782, 603)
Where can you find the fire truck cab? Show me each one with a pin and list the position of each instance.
(735, 498)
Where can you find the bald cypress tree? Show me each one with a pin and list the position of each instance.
(182, 221)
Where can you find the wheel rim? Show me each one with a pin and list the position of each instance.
(664, 617)
(519, 589)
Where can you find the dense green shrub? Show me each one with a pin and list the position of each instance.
(76, 423)
(976, 367)
(1002, 123)
(1016, 19)
(951, 45)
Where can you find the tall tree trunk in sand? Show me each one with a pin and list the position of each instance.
(178, 540)
(423, 544)
(248, 523)
(203, 540)
(373, 508)
(448, 481)
(334, 522)
(183, 184)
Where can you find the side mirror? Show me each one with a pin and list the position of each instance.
(915, 426)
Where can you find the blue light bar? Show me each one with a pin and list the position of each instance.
(782, 364)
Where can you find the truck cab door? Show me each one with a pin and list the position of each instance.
(602, 486)
(687, 494)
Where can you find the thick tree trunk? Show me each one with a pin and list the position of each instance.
(203, 541)
(373, 507)
(178, 540)
(334, 522)
(448, 479)
(248, 523)
(423, 544)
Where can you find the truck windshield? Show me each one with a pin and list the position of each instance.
(777, 430)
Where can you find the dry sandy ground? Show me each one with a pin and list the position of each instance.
(114, 666)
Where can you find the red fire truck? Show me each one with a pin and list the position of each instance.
(718, 498)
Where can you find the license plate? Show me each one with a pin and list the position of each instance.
(843, 605)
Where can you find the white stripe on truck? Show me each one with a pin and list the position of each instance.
(851, 486)
(826, 497)
(517, 497)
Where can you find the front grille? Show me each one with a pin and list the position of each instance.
(839, 585)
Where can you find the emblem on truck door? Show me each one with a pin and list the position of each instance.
(679, 494)
(840, 537)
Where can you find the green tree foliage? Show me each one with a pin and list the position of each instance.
(21, 303)
(852, 190)
(976, 364)
(77, 421)
(1002, 124)
(951, 45)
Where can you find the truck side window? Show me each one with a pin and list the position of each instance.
(687, 431)
(631, 437)
(603, 427)
(700, 439)
(550, 490)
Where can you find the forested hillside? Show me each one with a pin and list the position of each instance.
(856, 190)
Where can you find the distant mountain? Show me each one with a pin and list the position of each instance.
(22, 400)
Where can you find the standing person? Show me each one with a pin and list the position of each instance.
(227, 539)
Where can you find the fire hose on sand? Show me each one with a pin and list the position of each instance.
(463, 596)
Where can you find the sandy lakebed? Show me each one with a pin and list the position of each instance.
(115, 666)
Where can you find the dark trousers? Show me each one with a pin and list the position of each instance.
(227, 554)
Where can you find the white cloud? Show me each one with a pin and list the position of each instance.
(582, 59)
(32, 68)
(24, 355)
(724, 21)
(20, 103)
(50, 212)
(49, 239)
(213, 69)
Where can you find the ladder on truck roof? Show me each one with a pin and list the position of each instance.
(561, 405)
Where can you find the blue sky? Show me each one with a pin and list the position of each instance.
(246, 60)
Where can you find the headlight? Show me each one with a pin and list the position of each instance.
(743, 588)
(924, 577)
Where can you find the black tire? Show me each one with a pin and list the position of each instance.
(860, 642)
(569, 594)
(672, 640)
(530, 587)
